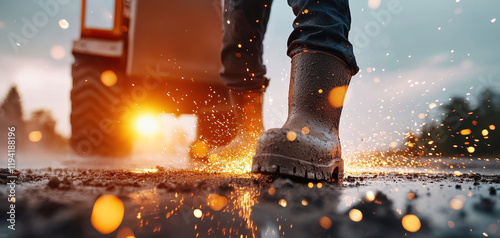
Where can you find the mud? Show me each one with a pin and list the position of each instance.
(166, 203)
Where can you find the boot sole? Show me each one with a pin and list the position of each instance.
(284, 165)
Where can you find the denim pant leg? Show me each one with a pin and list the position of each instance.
(244, 26)
(322, 25)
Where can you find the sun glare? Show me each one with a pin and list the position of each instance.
(147, 125)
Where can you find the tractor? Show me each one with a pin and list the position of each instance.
(143, 57)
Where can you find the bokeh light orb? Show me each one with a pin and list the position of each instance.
(411, 223)
(107, 214)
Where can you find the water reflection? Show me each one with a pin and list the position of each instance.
(253, 206)
(230, 210)
(197, 205)
(226, 212)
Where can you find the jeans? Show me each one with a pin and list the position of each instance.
(319, 26)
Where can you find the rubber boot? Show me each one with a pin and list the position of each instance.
(214, 129)
(308, 145)
(237, 155)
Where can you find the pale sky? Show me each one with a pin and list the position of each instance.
(423, 52)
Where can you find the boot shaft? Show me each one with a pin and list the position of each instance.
(247, 108)
(318, 85)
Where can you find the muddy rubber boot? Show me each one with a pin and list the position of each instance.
(308, 145)
(237, 155)
(214, 129)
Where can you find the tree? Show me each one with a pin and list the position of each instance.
(464, 130)
(11, 115)
(41, 130)
(11, 108)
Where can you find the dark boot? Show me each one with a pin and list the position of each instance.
(214, 129)
(237, 155)
(308, 144)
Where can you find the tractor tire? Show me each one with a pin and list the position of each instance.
(97, 128)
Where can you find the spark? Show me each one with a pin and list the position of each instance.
(370, 196)
(282, 202)
(197, 213)
(63, 23)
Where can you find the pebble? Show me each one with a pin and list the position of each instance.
(54, 182)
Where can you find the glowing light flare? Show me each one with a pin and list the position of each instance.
(337, 95)
(125, 232)
(197, 213)
(451, 224)
(432, 105)
(421, 116)
(57, 52)
(216, 202)
(310, 185)
(304, 202)
(325, 222)
(471, 149)
(411, 223)
(109, 78)
(271, 191)
(457, 173)
(200, 149)
(305, 130)
(484, 132)
(232, 161)
(147, 125)
(355, 215)
(144, 171)
(456, 204)
(107, 214)
(319, 185)
(492, 127)
(370, 196)
(282, 202)
(411, 196)
(35, 136)
(374, 4)
(63, 24)
(291, 136)
(465, 132)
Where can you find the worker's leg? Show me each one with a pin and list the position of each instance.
(308, 144)
(244, 26)
(322, 26)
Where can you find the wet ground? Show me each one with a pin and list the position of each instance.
(180, 203)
